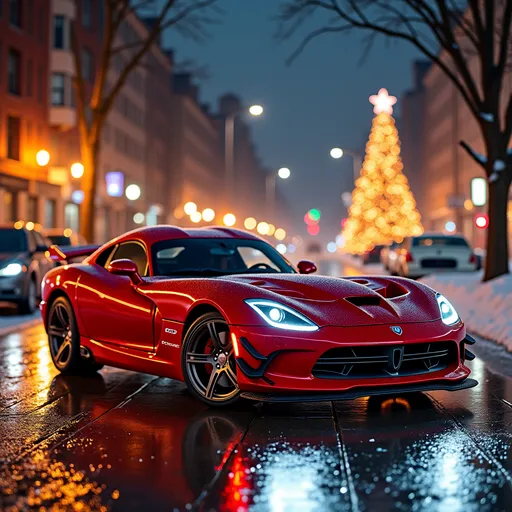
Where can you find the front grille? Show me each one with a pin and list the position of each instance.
(439, 263)
(385, 361)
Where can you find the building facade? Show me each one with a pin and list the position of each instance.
(437, 119)
(25, 192)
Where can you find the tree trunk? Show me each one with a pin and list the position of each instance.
(497, 232)
(90, 156)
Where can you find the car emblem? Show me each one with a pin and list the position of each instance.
(397, 330)
(398, 356)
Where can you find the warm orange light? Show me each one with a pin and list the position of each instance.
(30, 225)
(196, 217)
(77, 170)
(229, 219)
(262, 228)
(235, 344)
(19, 224)
(179, 212)
(68, 232)
(250, 223)
(271, 229)
(280, 234)
(190, 208)
(208, 215)
(42, 157)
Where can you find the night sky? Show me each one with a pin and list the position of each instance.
(320, 101)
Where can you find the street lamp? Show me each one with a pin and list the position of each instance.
(229, 146)
(42, 157)
(271, 185)
(337, 153)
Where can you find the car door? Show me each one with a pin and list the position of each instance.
(41, 254)
(111, 308)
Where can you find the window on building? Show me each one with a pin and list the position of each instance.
(86, 13)
(13, 138)
(15, 13)
(87, 65)
(58, 31)
(49, 213)
(73, 92)
(58, 89)
(9, 206)
(14, 72)
(32, 208)
(29, 78)
(72, 216)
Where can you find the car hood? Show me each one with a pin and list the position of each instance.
(8, 257)
(347, 301)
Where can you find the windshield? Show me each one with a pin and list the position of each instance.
(451, 241)
(216, 256)
(60, 240)
(12, 240)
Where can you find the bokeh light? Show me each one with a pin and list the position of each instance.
(42, 157)
(196, 217)
(281, 248)
(450, 226)
(208, 215)
(284, 173)
(262, 228)
(314, 229)
(250, 223)
(280, 234)
(332, 247)
(336, 153)
(256, 110)
(179, 212)
(77, 170)
(190, 208)
(271, 229)
(132, 192)
(229, 219)
(138, 218)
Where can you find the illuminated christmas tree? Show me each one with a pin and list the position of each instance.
(383, 208)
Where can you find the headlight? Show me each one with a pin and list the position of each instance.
(13, 269)
(448, 314)
(281, 316)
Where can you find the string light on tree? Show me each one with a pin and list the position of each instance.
(383, 208)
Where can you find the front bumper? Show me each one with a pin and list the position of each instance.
(281, 363)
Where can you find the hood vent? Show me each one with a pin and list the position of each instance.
(365, 300)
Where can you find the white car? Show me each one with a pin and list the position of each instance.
(432, 253)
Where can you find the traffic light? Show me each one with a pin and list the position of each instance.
(481, 220)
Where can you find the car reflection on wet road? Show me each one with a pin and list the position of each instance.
(127, 441)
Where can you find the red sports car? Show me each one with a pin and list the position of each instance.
(223, 311)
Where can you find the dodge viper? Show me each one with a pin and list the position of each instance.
(223, 311)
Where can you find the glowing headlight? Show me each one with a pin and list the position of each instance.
(13, 269)
(448, 314)
(281, 316)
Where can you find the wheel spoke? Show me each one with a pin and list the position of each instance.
(62, 315)
(61, 350)
(214, 335)
(231, 375)
(199, 358)
(212, 383)
(57, 331)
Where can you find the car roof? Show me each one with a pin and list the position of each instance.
(152, 234)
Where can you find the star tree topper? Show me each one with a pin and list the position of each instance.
(383, 102)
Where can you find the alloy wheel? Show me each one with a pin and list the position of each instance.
(60, 335)
(210, 362)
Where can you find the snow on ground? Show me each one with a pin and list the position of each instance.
(486, 308)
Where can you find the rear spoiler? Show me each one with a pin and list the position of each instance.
(62, 254)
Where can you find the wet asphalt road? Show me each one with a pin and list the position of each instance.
(126, 441)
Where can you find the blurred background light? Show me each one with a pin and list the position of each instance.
(190, 208)
(336, 153)
(280, 234)
(132, 192)
(263, 228)
(250, 223)
(77, 170)
(229, 219)
(196, 217)
(281, 248)
(138, 218)
(208, 215)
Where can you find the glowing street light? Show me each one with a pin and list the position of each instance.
(42, 157)
(336, 153)
(208, 215)
(256, 110)
(250, 223)
(138, 218)
(132, 192)
(229, 219)
(77, 170)
(196, 217)
(190, 208)
(263, 228)
(284, 173)
(280, 234)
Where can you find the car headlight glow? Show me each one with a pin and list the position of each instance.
(13, 269)
(448, 314)
(281, 316)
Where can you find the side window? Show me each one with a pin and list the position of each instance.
(135, 252)
(31, 241)
(103, 258)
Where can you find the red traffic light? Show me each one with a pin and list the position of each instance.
(481, 220)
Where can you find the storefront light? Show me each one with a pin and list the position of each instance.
(115, 183)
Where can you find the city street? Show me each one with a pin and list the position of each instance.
(127, 441)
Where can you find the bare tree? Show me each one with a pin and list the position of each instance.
(471, 43)
(188, 16)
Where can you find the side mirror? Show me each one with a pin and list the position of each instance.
(127, 268)
(306, 267)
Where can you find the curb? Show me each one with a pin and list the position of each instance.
(5, 331)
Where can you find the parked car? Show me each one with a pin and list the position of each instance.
(24, 260)
(373, 255)
(65, 237)
(435, 252)
(388, 254)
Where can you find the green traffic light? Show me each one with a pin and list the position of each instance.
(314, 214)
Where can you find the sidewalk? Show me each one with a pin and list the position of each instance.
(11, 322)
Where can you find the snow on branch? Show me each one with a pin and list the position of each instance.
(480, 159)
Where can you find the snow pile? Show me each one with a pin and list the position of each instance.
(486, 308)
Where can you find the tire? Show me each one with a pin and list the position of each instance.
(64, 340)
(208, 362)
(28, 304)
